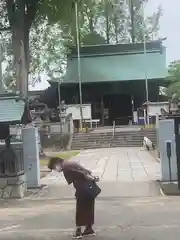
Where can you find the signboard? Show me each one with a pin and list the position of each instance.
(74, 109)
(155, 108)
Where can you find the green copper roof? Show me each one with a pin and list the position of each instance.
(117, 67)
(107, 49)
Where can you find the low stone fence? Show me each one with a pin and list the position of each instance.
(51, 134)
(59, 141)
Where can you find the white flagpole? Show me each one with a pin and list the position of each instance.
(79, 63)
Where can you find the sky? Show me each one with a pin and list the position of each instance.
(169, 27)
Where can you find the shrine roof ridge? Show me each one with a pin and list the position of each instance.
(10, 95)
(111, 49)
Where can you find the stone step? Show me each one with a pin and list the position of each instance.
(105, 146)
(113, 139)
(115, 136)
(116, 133)
(94, 140)
(110, 137)
(118, 144)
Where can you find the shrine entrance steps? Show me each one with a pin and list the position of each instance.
(107, 138)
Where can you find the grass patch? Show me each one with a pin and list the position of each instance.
(65, 155)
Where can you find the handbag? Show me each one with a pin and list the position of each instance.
(88, 190)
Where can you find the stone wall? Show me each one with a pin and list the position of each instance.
(13, 187)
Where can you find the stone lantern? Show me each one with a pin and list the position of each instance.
(14, 110)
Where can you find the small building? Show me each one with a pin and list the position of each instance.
(154, 110)
(113, 79)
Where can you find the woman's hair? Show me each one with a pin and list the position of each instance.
(53, 161)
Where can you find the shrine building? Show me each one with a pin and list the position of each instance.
(113, 78)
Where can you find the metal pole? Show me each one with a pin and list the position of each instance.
(132, 21)
(1, 59)
(145, 61)
(59, 94)
(130, 6)
(59, 98)
(79, 63)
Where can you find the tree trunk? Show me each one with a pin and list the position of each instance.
(116, 29)
(20, 43)
(21, 15)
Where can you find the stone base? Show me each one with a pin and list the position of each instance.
(13, 187)
(170, 189)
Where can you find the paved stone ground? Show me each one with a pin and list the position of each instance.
(123, 172)
(129, 208)
(115, 165)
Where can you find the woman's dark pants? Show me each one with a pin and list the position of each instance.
(84, 212)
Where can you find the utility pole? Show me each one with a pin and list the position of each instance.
(1, 70)
(59, 98)
(145, 55)
(145, 58)
(79, 64)
(1, 59)
(132, 20)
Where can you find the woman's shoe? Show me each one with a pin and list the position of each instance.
(89, 232)
(78, 234)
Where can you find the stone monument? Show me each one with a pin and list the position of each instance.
(31, 156)
(14, 110)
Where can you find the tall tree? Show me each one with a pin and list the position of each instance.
(141, 25)
(174, 79)
(19, 16)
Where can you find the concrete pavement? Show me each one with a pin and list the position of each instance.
(130, 206)
(126, 219)
(123, 172)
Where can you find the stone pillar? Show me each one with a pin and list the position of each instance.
(71, 132)
(71, 125)
(166, 134)
(31, 156)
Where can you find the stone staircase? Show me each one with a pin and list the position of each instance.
(105, 139)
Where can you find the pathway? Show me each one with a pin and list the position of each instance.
(115, 165)
(122, 171)
(129, 208)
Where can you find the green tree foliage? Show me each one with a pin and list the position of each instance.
(48, 51)
(20, 15)
(106, 21)
(174, 79)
